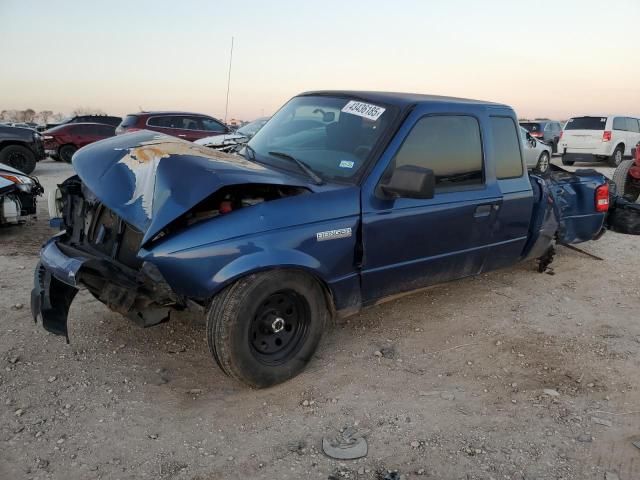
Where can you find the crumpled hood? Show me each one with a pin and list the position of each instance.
(150, 179)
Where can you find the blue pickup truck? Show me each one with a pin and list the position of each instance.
(341, 200)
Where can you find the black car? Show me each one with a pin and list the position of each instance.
(106, 119)
(546, 130)
(20, 148)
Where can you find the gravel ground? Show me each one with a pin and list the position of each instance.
(511, 375)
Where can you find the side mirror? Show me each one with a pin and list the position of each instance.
(410, 181)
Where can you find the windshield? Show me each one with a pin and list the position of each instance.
(333, 136)
(586, 123)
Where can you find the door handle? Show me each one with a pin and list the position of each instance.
(482, 211)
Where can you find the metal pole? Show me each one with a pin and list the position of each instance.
(226, 108)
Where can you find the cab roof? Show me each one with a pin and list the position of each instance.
(402, 100)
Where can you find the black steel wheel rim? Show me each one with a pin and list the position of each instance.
(279, 327)
(17, 160)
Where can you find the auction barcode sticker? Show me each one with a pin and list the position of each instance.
(366, 110)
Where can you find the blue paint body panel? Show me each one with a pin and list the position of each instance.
(393, 245)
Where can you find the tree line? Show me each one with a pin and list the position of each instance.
(43, 116)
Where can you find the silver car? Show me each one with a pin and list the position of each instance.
(537, 154)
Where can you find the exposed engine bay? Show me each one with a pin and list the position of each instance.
(112, 271)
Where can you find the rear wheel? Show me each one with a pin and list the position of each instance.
(624, 185)
(19, 157)
(567, 162)
(617, 156)
(66, 153)
(263, 329)
(543, 163)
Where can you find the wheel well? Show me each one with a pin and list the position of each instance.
(7, 143)
(620, 145)
(326, 290)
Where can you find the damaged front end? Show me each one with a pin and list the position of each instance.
(18, 196)
(97, 251)
(131, 192)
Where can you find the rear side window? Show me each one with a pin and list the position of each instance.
(586, 123)
(105, 130)
(167, 121)
(620, 123)
(632, 125)
(449, 145)
(506, 147)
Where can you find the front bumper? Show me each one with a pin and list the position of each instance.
(143, 296)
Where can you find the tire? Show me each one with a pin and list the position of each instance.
(568, 163)
(18, 157)
(616, 157)
(624, 187)
(66, 153)
(263, 329)
(543, 162)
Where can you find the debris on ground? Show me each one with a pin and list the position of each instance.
(347, 445)
(601, 421)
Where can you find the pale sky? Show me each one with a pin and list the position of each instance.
(545, 58)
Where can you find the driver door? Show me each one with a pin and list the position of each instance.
(411, 243)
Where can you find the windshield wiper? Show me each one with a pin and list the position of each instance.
(303, 166)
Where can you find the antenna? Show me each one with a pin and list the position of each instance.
(226, 108)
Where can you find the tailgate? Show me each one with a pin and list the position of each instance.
(574, 202)
(582, 139)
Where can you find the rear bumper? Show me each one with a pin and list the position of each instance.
(581, 157)
(143, 296)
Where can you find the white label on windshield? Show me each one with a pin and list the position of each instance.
(366, 110)
(346, 164)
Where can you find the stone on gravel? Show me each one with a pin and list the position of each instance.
(18, 412)
(601, 421)
(195, 391)
(636, 443)
(584, 438)
(611, 476)
(348, 445)
(52, 378)
(447, 396)
(551, 392)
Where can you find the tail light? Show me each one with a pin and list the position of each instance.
(602, 198)
(606, 136)
(637, 155)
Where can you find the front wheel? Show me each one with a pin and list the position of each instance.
(19, 157)
(543, 163)
(263, 329)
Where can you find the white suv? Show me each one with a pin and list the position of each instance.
(590, 139)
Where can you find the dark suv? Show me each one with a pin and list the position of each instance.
(189, 126)
(546, 130)
(106, 119)
(20, 148)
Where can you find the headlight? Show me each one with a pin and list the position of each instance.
(55, 203)
(47, 137)
(17, 179)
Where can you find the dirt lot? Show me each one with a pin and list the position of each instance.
(458, 392)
